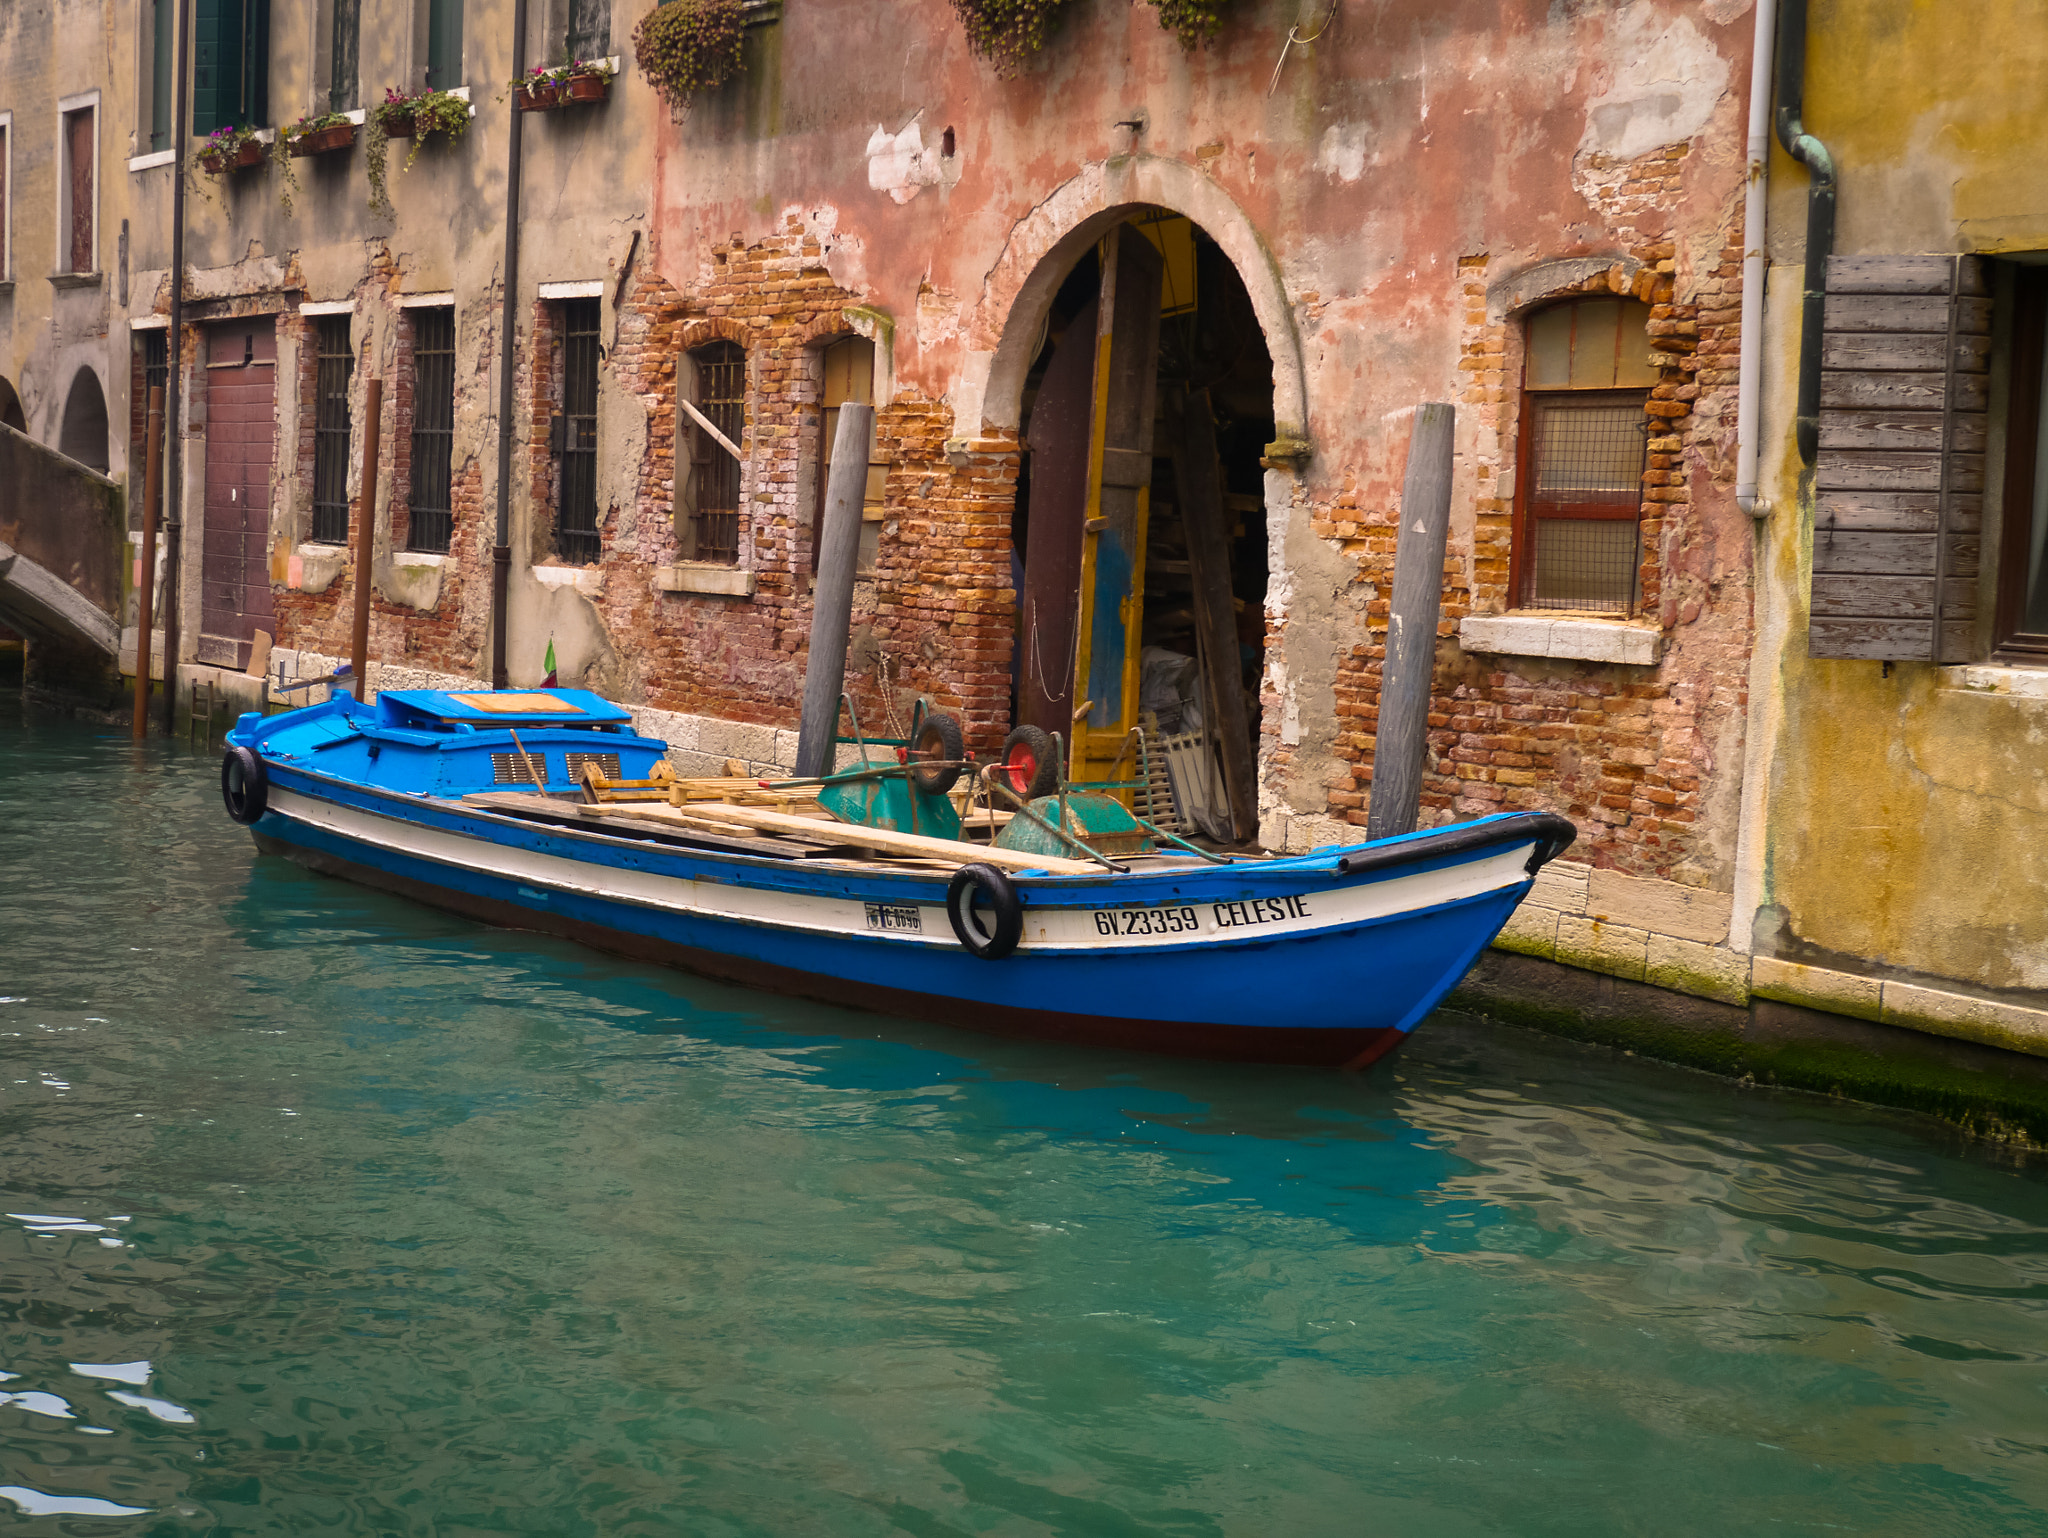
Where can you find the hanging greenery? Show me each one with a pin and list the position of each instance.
(1008, 32)
(687, 46)
(1194, 22)
(399, 116)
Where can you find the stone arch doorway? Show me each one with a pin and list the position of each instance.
(10, 408)
(1145, 395)
(83, 436)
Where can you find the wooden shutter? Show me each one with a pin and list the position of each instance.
(78, 146)
(590, 29)
(1899, 478)
(230, 64)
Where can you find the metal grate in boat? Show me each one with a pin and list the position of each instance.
(606, 764)
(518, 768)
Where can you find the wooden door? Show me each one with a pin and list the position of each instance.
(1052, 552)
(241, 429)
(1112, 586)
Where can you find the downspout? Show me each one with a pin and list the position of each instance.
(1755, 212)
(174, 490)
(508, 328)
(1820, 215)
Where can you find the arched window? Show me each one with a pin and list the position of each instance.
(1579, 496)
(84, 435)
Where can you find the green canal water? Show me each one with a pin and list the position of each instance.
(327, 1214)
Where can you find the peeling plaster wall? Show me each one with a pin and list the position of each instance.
(1905, 817)
(1411, 148)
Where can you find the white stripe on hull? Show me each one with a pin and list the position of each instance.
(1162, 924)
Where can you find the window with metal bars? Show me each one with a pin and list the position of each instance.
(433, 430)
(1584, 443)
(334, 363)
(576, 536)
(156, 362)
(722, 397)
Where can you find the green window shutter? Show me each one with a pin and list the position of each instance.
(444, 44)
(590, 29)
(1899, 477)
(216, 63)
(230, 63)
(163, 37)
(345, 53)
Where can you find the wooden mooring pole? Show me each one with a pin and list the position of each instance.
(832, 592)
(366, 528)
(145, 594)
(1400, 748)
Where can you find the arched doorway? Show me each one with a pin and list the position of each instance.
(84, 434)
(1145, 405)
(10, 408)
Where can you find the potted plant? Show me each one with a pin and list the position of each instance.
(233, 147)
(319, 134)
(686, 46)
(399, 116)
(557, 85)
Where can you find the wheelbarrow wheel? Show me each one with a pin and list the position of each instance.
(935, 755)
(1030, 764)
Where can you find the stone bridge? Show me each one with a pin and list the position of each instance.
(63, 542)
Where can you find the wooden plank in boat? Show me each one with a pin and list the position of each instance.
(630, 819)
(904, 843)
(519, 704)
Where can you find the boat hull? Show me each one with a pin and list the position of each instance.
(1286, 961)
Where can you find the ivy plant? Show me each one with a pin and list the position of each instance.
(429, 112)
(687, 46)
(1008, 32)
(1194, 22)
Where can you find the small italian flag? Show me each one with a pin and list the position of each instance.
(550, 682)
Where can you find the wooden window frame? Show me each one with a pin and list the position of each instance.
(1522, 539)
(67, 109)
(6, 197)
(2022, 439)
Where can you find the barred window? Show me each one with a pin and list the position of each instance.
(722, 396)
(576, 536)
(1584, 443)
(334, 363)
(433, 430)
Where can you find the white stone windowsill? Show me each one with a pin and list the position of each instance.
(2018, 682)
(152, 160)
(310, 547)
(413, 557)
(585, 579)
(704, 577)
(1561, 637)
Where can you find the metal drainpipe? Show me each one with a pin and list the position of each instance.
(508, 327)
(1820, 215)
(174, 478)
(1755, 212)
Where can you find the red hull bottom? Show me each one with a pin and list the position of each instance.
(1303, 1046)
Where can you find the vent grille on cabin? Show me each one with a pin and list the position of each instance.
(606, 764)
(519, 768)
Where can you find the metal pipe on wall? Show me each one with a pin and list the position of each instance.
(366, 534)
(1755, 213)
(174, 501)
(1820, 215)
(508, 327)
(152, 500)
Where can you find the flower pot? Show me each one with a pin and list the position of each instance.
(539, 95)
(588, 87)
(220, 162)
(322, 141)
(400, 125)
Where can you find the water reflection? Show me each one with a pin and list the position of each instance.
(331, 1214)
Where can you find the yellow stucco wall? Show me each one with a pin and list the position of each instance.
(1908, 809)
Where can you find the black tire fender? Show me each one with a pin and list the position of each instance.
(244, 784)
(938, 739)
(973, 885)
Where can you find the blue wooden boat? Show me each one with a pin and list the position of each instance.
(474, 803)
